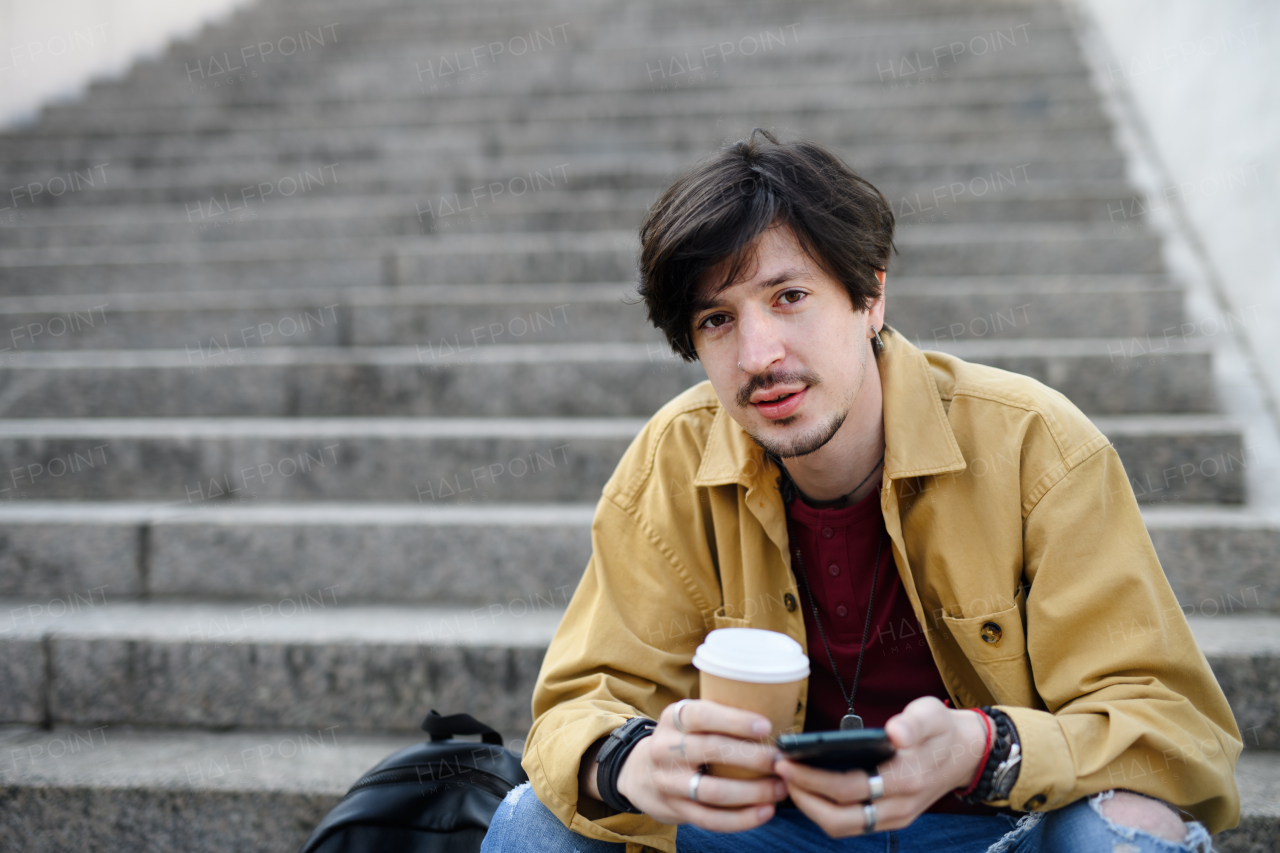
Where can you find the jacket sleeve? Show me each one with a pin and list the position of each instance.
(1131, 701)
(623, 649)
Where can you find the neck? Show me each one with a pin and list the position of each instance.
(852, 453)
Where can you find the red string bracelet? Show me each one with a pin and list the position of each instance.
(986, 753)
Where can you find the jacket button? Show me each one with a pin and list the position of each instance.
(1035, 802)
(991, 632)
(827, 533)
(842, 611)
(790, 601)
(833, 570)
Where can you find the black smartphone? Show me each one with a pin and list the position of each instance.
(852, 749)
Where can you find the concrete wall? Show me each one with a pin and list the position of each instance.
(1205, 79)
(52, 49)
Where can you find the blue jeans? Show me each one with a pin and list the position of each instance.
(523, 824)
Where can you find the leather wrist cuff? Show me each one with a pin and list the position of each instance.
(613, 752)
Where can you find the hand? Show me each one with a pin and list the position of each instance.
(655, 776)
(938, 749)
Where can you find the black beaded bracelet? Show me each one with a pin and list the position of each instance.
(1000, 772)
(613, 752)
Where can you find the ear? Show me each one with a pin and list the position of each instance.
(876, 309)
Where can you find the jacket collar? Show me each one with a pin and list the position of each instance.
(918, 439)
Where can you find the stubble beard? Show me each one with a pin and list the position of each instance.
(803, 444)
(816, 438)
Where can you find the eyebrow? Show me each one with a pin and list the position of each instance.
(714, 301)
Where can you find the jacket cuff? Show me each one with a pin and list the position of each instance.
(1046, 775)
(556, 785)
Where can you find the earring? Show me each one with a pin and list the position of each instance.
(875, 340)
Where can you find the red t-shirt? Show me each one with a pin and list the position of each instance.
(837, 547)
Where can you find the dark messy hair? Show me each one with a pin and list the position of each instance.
(714, 213)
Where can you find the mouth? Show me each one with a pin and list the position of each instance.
(777, 404)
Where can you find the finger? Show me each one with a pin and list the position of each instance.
(724, 791)
(850, 786)
(724, 820)
(691, 751)
(841, 820)
(702, 715)
(836, 821)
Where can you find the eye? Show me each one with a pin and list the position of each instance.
(791, 297)
(713, 321)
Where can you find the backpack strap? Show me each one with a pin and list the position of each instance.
(443, 728)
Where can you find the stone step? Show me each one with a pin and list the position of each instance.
(250, 664)
(1068, 155)
(698, 11)
(435, 379)
(355, 206)
(67, 553)
(115, 789)
(977, 249)
(396, 184)
(315, 662)
(597, 53)
(1169, 458)
(597, 27)
(264, 790)
(46, 156)
(421, 461)
(523, 193)
(928, 310)
(878, 115)
(1220, 561)
(998, 100)
(428, 71)
(601, 51)
(957, 197)
(457, 166)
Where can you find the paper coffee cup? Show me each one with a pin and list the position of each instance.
(756, 670)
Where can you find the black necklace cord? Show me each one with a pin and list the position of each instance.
(790, 491)
(867, 625)
(787, 486)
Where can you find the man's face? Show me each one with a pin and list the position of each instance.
(784, 349)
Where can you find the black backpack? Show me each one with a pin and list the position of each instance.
(435, 797)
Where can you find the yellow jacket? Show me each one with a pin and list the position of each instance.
(1004, 504)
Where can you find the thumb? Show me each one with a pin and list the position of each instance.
(900, 731)
(917, 722)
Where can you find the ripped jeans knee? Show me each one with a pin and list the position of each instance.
(1197, 839)
(1081, 827)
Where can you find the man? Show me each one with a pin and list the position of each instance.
(949, 542)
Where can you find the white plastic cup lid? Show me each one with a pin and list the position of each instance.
(753, 655)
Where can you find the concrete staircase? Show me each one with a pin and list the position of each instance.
(315, 361)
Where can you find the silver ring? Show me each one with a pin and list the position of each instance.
(876, 784)
(869, 818)
(675, 716)
(694, 781)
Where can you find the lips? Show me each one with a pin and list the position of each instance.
(780, 405)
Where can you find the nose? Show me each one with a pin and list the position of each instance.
(760, 342)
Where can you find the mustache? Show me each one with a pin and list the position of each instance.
(765, 381)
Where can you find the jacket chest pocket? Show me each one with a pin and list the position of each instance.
(996, 644)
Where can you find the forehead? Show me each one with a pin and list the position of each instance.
(775, 252)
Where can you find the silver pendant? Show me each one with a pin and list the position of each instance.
(850, 721)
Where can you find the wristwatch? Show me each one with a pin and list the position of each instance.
(613, 752)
